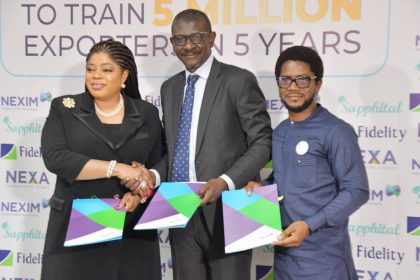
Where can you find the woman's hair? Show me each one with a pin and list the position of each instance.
(123, 56)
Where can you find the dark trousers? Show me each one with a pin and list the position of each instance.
(196, 255)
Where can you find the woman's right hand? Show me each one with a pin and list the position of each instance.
(136, 177)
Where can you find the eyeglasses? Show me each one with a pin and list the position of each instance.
(195, 38)
(301, 82)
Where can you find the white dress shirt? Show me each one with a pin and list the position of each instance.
(203, 72)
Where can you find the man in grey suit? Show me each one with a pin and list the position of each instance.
(228, 141)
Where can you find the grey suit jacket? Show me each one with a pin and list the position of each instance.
(234, 129)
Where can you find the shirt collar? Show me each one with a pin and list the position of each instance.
(203, 71)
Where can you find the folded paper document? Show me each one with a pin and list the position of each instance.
(94, 220)
(250, 221)
(173, 205)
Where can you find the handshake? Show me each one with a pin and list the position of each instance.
(138, 179)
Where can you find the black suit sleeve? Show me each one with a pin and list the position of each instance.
(57, 157)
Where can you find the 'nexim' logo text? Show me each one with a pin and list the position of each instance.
(24, 102)
(21, 129)
(22, 208)
(378, 196)
(377, 107)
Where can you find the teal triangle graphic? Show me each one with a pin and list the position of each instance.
(90, 205)
(231, 198)
(171, 190)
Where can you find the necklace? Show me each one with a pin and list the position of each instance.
(113, 113)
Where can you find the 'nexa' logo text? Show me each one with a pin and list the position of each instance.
(26, 177)
(378, 157)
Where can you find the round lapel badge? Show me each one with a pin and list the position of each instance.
(302, 148)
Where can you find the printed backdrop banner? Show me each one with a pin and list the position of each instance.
(371, 52)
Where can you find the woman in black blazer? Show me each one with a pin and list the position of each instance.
(90, 141)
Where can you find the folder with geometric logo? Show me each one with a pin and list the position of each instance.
(250, 221)
(94, 220)
(173, 205)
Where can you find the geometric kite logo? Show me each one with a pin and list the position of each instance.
(264, 272)
(6, 258)
(172, 205)
(413, 225)
(94, 220)
(415, 102)
(393, 190)
(45, 96)
(246, 220)
(8, 151)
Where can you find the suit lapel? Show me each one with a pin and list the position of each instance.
(133, 120)
(210, 92)
(86, 115)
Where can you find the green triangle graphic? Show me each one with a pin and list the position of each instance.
(185, 204)
(11, 155)
(8, 261)
(109, 218)
(269, 164)
(269, 276)
(417, 109)
(415, 232)
(264, 212)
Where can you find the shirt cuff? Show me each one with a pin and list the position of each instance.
(157, 177)
(228, 181)
(316, 221)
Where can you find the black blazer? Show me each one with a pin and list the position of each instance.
(71, 136)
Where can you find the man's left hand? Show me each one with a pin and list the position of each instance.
(293, 235)
(212, 190)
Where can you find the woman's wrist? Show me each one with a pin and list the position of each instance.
(112, 169)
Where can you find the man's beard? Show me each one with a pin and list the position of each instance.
(306, 104)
